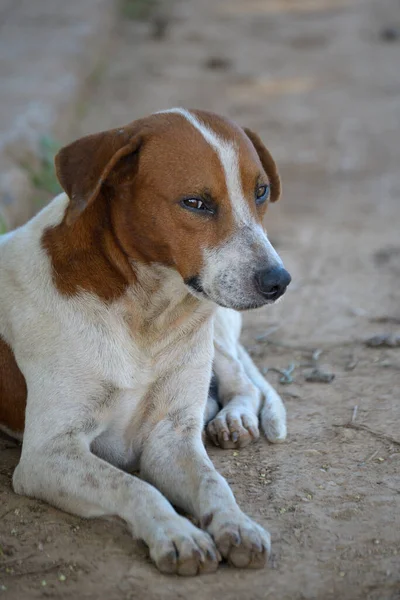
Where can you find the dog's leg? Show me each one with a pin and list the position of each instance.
(242, 390)
(273, 412)
(57, 466)
(174, 459)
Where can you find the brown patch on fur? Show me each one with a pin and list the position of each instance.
(86, 255)
(13, 392)
(125, 187)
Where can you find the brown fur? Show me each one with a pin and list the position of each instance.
(13, 392)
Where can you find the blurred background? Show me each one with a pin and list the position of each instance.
(319, 80)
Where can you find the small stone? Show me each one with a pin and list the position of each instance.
(383, 341)
(380, 459)
(376, 542)
(318, 376)
(342, 574)
(236, 453)
(40, 547)
(43, 583)
(62, 577)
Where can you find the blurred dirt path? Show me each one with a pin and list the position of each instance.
(320, 81)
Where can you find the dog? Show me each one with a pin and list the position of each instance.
(119, 302)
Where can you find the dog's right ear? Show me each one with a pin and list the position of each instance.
(84, 166)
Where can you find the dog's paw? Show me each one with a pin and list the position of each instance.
(241, 542)
(181, 548)
(273, 418)
(233, 428)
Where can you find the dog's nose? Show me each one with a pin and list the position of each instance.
(272, 283)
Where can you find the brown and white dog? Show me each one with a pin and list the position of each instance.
(111, 324)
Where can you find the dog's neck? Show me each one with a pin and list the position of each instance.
(159, 302)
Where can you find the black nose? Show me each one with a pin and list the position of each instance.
(272, 283)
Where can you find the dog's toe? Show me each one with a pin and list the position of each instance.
(185, 550)
(233, 428)
(241, 542)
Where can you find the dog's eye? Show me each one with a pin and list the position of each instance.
(196, 204)
(262, 194)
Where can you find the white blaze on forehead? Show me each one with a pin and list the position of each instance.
(229, 157)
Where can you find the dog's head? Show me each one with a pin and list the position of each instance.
(187, 190)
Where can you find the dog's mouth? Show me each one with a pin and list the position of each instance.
(196, 288)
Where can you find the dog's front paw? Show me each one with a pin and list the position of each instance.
(273, 418)
(233, 428)
(241, 542)
(181, 548)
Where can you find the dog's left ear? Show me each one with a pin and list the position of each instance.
(268, 164)
(85, 165)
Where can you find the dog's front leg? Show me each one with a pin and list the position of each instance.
(57, 466)
(244, 393)
(174, 459)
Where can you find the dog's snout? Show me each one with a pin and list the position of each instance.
(272, 283)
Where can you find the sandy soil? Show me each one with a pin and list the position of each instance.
(321, 83)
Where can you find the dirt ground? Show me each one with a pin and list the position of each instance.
(320, 81)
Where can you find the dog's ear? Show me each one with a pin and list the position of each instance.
(268, 164)
(85, 165)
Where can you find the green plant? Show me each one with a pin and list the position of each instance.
(137, 9)
(45, 177)
(3, 226)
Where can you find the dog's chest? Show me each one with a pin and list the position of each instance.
(131, 348)
(136, 356)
